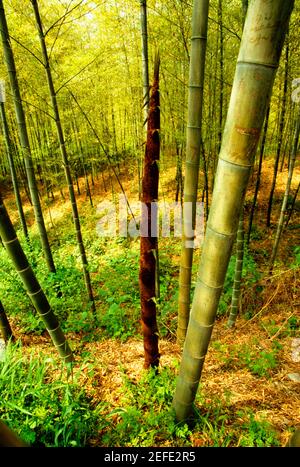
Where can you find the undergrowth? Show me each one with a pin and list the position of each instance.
(46, 408)
(145, 417)
(41, 404)
(260, 361)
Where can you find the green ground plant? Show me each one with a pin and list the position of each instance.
(42, 406)
(145, 417)
(251, 275)
(261, 362)
(257, 433)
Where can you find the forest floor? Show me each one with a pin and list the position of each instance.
(249, 394)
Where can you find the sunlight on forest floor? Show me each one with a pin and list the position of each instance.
(245, 369)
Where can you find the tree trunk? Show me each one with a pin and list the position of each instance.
(193, 148)
(256, 67)
(149, 247)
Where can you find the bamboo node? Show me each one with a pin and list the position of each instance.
(34, 293)
(10, 241)
(23, 270)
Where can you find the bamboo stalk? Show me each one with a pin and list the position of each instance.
(261, 46)
(31, 284)
(193, 148)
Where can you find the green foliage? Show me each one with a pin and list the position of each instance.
(168, 301)
(296, 251)
(250, 276)
(260, 362)
(290, 328)
(256, 233)
(293, 324)
(118, 300)
(44, 409)
(221, 424)
(120, 309)
(116, 323)
(146, 416)
(64, 289)
(257, 433)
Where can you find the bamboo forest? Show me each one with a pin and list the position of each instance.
(149, 225)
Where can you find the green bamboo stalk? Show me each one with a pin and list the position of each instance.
(13, 171)
(24, 140)
(193, 147)
(221, 95)
(244, 9)
(291, 208)
(280, 136)
(286, 193)
(5, 328)
(294, 441)
(257, 185)
(236, 292)
(31, 284)
(145, 59)
(261, 46)
(64, 155)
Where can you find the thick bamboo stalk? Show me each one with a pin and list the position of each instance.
(31, 284)
(294, 441)
(193, 148)
(24, 140)
(261, 46)
(5, 328)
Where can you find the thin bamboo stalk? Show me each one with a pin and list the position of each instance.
(193, 148)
